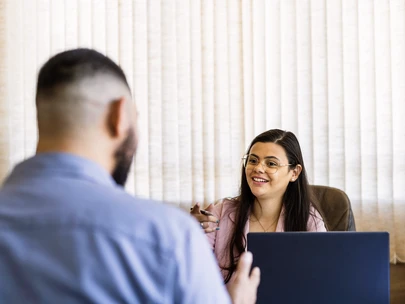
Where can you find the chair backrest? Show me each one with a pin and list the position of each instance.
(336, 208)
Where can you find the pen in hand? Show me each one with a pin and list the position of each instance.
(204, 212)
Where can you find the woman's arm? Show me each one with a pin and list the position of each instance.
(216, 210)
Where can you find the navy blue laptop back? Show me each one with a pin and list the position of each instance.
(322, 267)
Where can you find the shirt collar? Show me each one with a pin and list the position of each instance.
(61, 164)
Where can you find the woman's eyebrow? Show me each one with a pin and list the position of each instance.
(265, 156)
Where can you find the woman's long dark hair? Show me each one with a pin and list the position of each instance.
(297, 198)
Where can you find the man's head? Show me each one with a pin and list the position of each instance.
(84, 107)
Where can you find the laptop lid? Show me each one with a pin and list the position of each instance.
(322, 267)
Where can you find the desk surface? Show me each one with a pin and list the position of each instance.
(397, 283)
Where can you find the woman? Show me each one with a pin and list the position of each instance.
(274, 196)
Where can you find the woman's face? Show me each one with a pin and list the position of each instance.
(263, 160)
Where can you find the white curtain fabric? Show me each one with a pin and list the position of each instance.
(207, 76)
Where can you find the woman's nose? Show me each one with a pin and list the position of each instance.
(259, 168)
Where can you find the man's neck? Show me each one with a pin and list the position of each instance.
(86, 149)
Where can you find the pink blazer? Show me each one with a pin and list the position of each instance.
(220, 238)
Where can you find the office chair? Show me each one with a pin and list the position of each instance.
(335, 207)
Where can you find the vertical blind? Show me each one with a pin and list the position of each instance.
(207, 76)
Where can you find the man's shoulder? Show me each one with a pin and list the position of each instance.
(145, 209)
(87, 208)
(144, 219)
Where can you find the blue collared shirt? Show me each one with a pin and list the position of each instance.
(69, 234)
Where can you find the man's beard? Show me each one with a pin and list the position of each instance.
(123, 158)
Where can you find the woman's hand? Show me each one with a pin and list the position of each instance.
(204, 217)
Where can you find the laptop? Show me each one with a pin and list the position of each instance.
(322, 267)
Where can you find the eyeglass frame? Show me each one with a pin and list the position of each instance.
(245, 157)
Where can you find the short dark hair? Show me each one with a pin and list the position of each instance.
(72, 65)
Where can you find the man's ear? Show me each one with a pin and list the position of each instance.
(296, 172)
(117, 118)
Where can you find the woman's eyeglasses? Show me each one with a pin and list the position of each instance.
(269, 165)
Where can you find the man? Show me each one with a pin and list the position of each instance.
(70, 234)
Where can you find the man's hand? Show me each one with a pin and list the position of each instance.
(243, 288)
